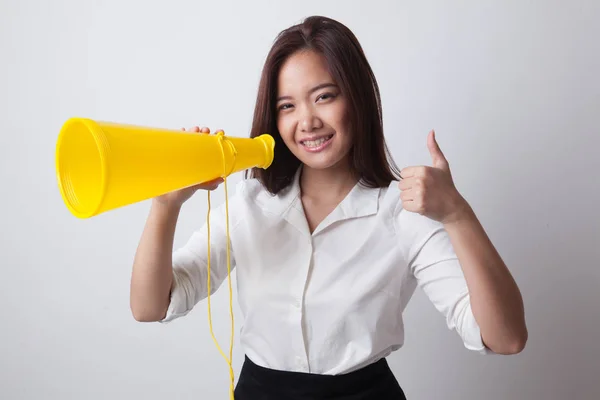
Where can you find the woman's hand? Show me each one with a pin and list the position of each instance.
(494, 296)
(430, 191)
(177, 198)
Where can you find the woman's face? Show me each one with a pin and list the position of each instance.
(312, 112)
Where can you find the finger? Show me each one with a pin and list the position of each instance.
(211, 185)
(437, 156)
(216, 181)
(410, 172)
(219, 130)
(407, 195)
(413, 207)
(194, 129)
(205, 130)
(409, 205)
(433, 146)
(407, 183)
(407, 172)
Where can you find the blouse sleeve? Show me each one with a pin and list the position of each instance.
(436, 268)
(190, 265)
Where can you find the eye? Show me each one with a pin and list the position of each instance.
(285, 106)
(325, 96)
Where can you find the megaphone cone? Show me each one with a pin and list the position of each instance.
(101, 166)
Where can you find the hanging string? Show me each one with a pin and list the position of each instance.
(227, 359)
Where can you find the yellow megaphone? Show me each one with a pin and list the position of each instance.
(101, 165)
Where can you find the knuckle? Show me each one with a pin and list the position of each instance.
(427, 180)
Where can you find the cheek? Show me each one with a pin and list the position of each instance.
(339, 119)
(285, 129)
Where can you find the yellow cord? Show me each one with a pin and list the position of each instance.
(228, 360)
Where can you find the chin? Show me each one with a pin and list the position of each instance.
(318, 165)
(322, 161)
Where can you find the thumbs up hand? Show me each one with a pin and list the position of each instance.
(430, 190)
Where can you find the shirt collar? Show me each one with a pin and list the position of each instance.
(361, 201)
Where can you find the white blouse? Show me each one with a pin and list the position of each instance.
(329, 302)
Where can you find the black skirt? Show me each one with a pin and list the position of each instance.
(374, 382)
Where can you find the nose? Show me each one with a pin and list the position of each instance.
(309, 121)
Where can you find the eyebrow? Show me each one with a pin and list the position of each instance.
(314, 89)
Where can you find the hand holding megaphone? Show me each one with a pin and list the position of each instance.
(177, 198)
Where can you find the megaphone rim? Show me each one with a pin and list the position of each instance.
(98, 136)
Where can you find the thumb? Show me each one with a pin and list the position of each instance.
(437, 157)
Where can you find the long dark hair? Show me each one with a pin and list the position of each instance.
(348, 65)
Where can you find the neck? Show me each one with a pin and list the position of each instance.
(326, 184)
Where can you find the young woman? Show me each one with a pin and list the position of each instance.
(330, 242)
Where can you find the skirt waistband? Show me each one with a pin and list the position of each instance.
(371, 380)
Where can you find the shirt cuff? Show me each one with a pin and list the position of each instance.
(178, 300)
(473, 340)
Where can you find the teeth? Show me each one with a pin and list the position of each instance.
(316, 143)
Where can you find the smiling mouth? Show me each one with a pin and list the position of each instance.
(314, 144)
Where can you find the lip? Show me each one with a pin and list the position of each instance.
(318, 148)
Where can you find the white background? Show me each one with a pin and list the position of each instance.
(511, 88)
